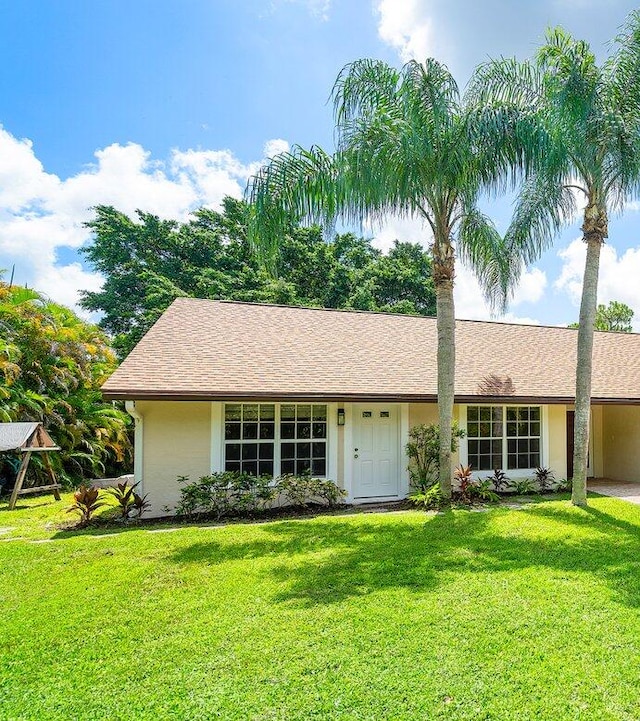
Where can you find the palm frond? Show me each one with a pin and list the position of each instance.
(543, 207)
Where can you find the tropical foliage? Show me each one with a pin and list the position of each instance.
(573, 128)
(149, 262)
(52, 365)
(616, 316)
(405, 146)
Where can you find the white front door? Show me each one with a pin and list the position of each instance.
(375, 452)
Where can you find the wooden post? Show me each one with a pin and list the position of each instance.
(52, 475)
(22, 472)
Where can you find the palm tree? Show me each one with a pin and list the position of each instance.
(572, 128)
(404, 147)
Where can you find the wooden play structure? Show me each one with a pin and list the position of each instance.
(28, 438)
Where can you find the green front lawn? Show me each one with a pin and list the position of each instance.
(504, 614)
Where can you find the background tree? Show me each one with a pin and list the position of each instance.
(613, 317)
(404, 147)
(147, 263)
(573, 127)
(52, 365)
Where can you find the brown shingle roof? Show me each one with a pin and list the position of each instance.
(217, 349)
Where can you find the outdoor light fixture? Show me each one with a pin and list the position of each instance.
(340, 416)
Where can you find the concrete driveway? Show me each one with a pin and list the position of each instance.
(625, 490)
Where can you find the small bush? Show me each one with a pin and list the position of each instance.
(483, 491)
(304, 490)
(86, 502)
(463, 477)
(423, 450)
(544, 478)
(562, 485)
(140, 504)
(499, 480)
(431, 498)
(224, 494)
(123, 494)
(524, 486)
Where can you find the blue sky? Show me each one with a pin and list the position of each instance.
(170, 104)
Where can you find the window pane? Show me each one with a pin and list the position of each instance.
(249, 451)
(511, 430)
(485, 414)
(288, 430)
(534, 460)
(534, 445)
(534, 413)
(303, 466)
(233, 412)
(233, 466)
(534, 429)
(496, 430)
(288, 413)
(472, 413)
(232, 451)
(496, 413)
(472, 429)
(523, 460)
(250, 467)
(523, 429)
(318, 467)
(512, 461)
(304, 413)
(473, 447)
(496, 447)
(304, 430)
(250, 430)
(265, 468)
(319, 413)
(249, 412)
(267, 412)
(319, 450)
(485, 463)
(288, 450)
(485, 430)
(267, 430)
(287, 466)
(485, 446)
(303, 450)
(266, 451)
(512, 414)
(523, 446)
(319, 430)
(231, 431)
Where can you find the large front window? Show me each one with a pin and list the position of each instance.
(503, 437)
(269, 438)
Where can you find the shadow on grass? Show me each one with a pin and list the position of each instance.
(327, 561)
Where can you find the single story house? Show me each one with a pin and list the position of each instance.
(270, 389)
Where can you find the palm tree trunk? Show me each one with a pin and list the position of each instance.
(595, 231)
(443, 274)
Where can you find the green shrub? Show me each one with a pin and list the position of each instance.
(224, 494)
(123, 494)
(304, 490)
(431, 498)
(423, 451)
(524, 486)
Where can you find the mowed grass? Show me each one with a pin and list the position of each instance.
(526, 613)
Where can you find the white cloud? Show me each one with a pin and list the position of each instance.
(275, 147)
(470, 303)
(407, 27)
(41, 213)
(618, 279)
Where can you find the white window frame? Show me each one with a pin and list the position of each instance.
(218, 420)
(513, 472)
